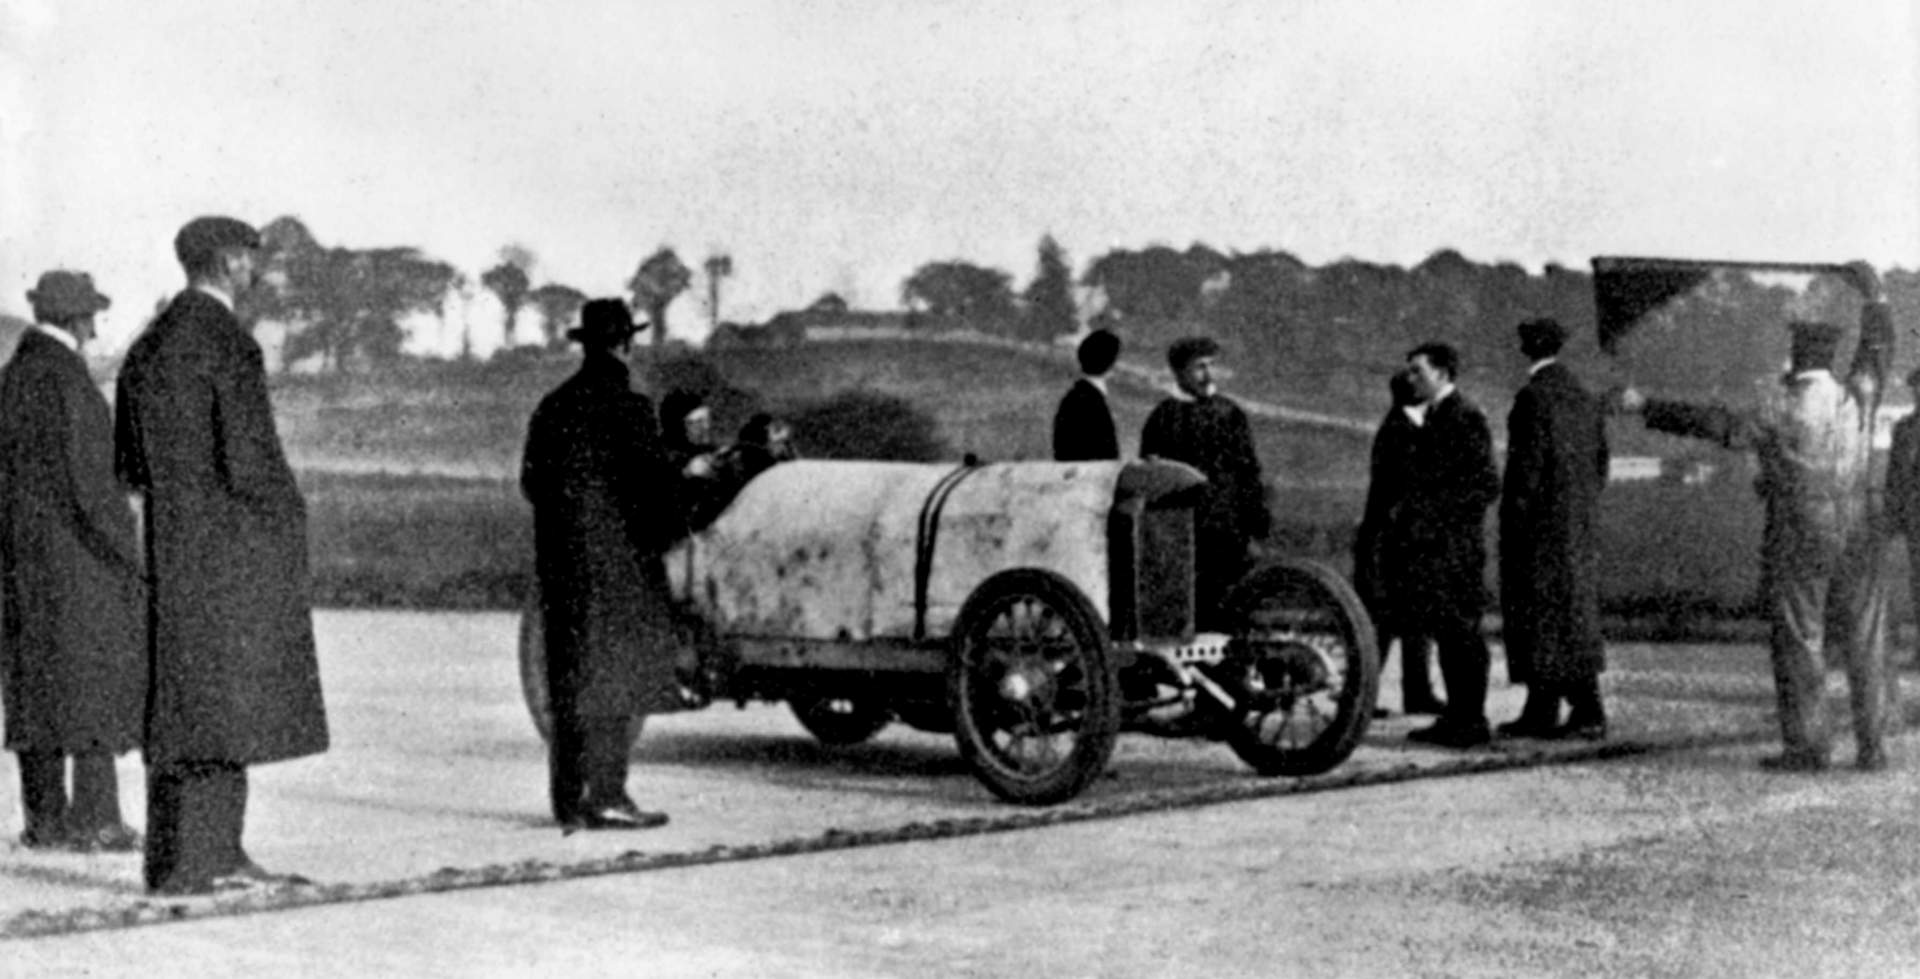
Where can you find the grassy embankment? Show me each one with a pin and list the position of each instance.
(446, 528)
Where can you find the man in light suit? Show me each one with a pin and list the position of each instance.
(1823, 551)
(235, 679)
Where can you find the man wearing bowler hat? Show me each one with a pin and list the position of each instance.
(1822, 552)
(604, 511)
(235, 681)
(73, 667)
(1550, 544)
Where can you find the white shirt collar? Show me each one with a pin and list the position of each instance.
(1098, 382)
(66, 339)
(1417, 414)
(1535, 369)
(1443, 394)
(217, 293)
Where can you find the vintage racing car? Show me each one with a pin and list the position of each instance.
(1032, 609)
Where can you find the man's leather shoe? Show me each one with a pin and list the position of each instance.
(616, 815)
(45, 838)
(1871, 760)
(1450, 735)
(250, 874)
(1795, 761)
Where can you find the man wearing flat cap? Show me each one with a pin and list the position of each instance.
(1207, 431)
(1549, 544)
(73, 661)
(235, 681)
(1822, 552)
(604, 512)
(1083, 424)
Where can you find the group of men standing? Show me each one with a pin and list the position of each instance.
(1420, 551)
(186, 634)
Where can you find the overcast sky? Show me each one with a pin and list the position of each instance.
(837, 145)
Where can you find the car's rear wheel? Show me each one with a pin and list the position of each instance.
(1036, 703)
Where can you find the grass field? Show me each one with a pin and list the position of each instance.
(410, 475)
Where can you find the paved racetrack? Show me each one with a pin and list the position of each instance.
(424, 827)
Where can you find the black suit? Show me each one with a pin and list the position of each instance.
(1439, 554)
(1083, 425)
(1389, 475)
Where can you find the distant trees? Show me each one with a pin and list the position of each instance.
(343, 304)
(1050, 310)
(659, 280)
(959, 290)
(558, 304)
(510, 281)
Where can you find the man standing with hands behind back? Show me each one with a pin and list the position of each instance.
(1549, 544)
(73, 656)
(235, 681)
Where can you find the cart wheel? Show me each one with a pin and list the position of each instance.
(839, 721)
(1036, 704)
(1303, 667)
(533, 674)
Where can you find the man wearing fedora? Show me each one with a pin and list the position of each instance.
(73, 666)
(235, 681)
(1822, 550)
(1550, 544)
(604, 512)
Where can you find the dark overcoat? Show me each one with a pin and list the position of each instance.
(73, 656)
(1212, 435)
(604, 511)
(234, 673)
(1083, 426)
(1437, 560)
(1389, 473)
(1903, 480)
(1549, 530)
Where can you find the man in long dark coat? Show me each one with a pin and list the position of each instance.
(235, 678)
(604, 511)
(1441, 534)
(1549, 544)
(1083, 424)
(1207, 431)
(1903, 493)
(1376, 549)
(73, 659)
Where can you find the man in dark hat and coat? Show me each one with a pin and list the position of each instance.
(235, 680)
(73, 655)
(1083, 424)
(604, 511)
(1207, 431)
(1549, 544)
(1823, 550)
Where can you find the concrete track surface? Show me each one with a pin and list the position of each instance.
(1664, 852)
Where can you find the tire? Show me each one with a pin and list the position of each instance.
(533, 675)
(1035, 701)
(1304, 667)
(839, 721)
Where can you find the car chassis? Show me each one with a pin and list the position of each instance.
(1032, 609)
